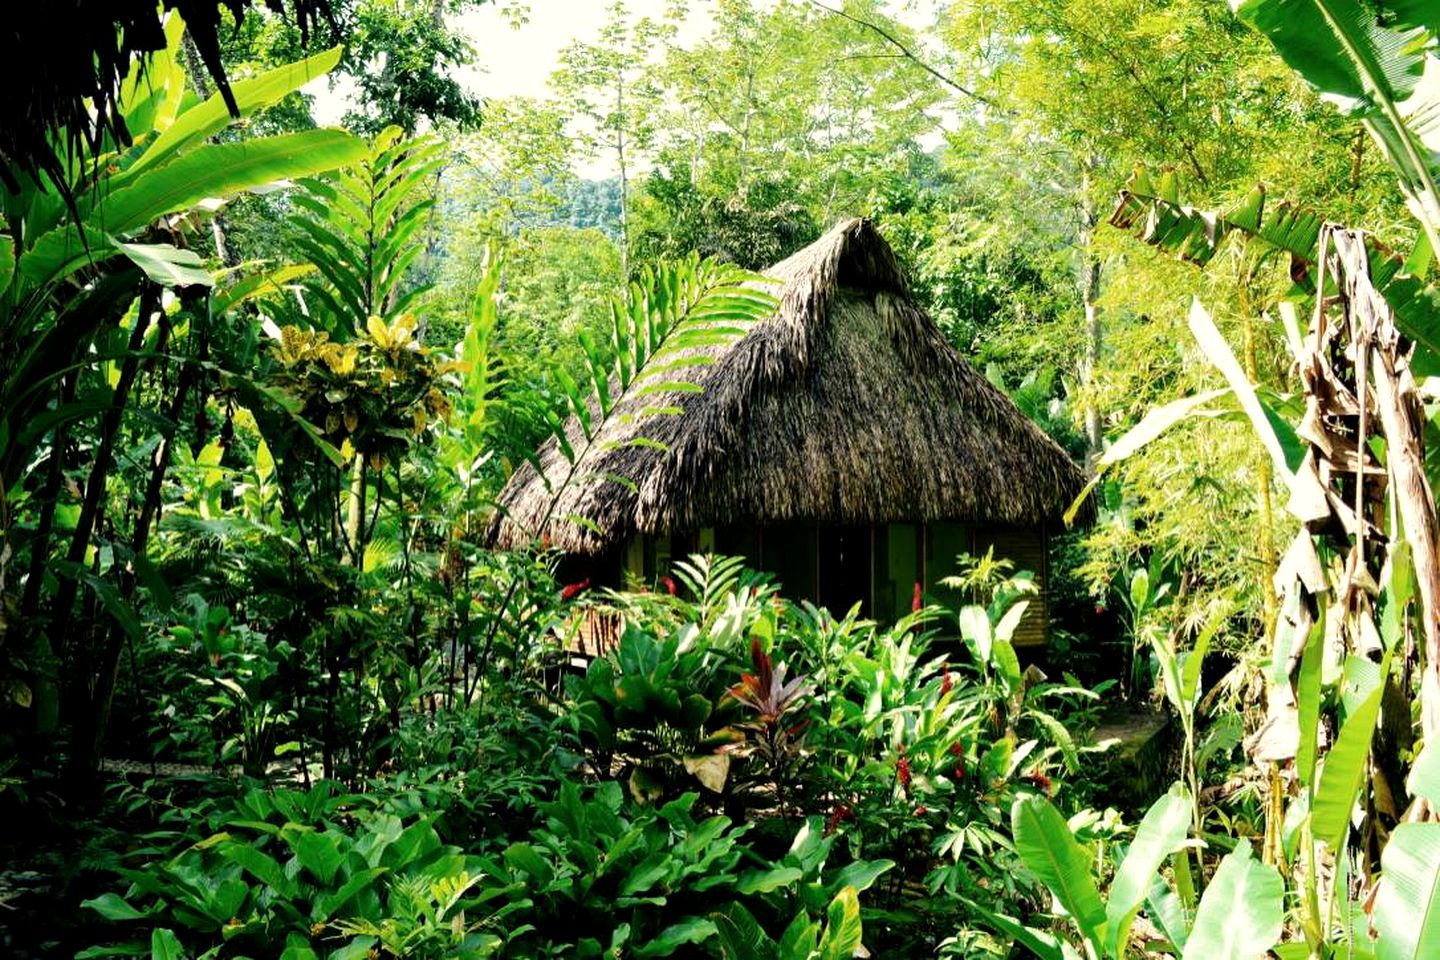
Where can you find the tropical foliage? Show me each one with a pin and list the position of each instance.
(265, 691)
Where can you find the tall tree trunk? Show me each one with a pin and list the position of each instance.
(1264, 472)
(62, 609)
(355, 512)
(1089, 294)
(40, 652)
(624, 181)
(92, 738)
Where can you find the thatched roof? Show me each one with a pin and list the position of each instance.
(846, 406)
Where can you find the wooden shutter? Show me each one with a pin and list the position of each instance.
(1026, 547)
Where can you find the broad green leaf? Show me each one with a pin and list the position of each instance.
(1311, 661)
(975, 627)
(1285, 452)
(1424, 778)
(1194, 659)
(1162, 832)
(164, 945)
(214, 170)
(1007, 661)
(1060, 735)
(167, 265)
(258, 285)
(1044, 842)
(860, 874)
(319, 853)
(1407, 904)
(298, 948)
(357, 949)
(260, 865)
(1153, 426)
(1164, 908)
(764, 881)
(1005, 629)
(1241, 914)
(1369, 58)
(740, 936)
(843, 934)
(7, 261)
(799, 938)
(112, 906)
(328, 905)
(223, 170)
(1041, 943)
(251, 94)
(677, 935)
(1139, 591)
(1344, 772)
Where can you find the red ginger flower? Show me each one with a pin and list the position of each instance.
(669, 585)
(915, 603)
(946, 685)
(902, 769)
(1040, 781)
(841, 812)
(571, 589)
(957, 749)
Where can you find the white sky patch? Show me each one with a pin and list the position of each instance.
(518, 61)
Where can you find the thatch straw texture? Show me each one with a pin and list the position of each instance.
(846, 406)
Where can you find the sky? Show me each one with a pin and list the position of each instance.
(519, 61)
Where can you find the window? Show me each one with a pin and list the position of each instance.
(897, 571)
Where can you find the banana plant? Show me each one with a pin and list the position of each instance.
(1151, 207)
(65, 267)
(1368, 56)
(1240, 916)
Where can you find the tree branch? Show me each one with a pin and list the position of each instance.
(908, 54)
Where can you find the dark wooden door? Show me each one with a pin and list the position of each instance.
(844, 568)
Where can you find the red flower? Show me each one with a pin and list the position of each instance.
(945, 685)
(902, 769)
(915, 603)
(669, 585)
(957, 750)
(1040, 781)
(841, 812)
(1099, 609)
(920, 811)
(571, 589)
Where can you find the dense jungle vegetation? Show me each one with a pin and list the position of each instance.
(265, 692)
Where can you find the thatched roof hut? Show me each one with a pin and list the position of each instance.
(846, 407)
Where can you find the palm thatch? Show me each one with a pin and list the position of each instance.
(846, 406)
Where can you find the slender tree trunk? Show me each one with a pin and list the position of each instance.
(62, 608)
(107, 676)
(88, 671)
(355, 514)
(44, 666)
(624, 181)
(1089, 294)
(1264, 475)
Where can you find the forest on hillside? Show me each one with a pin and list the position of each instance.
(330, 382)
